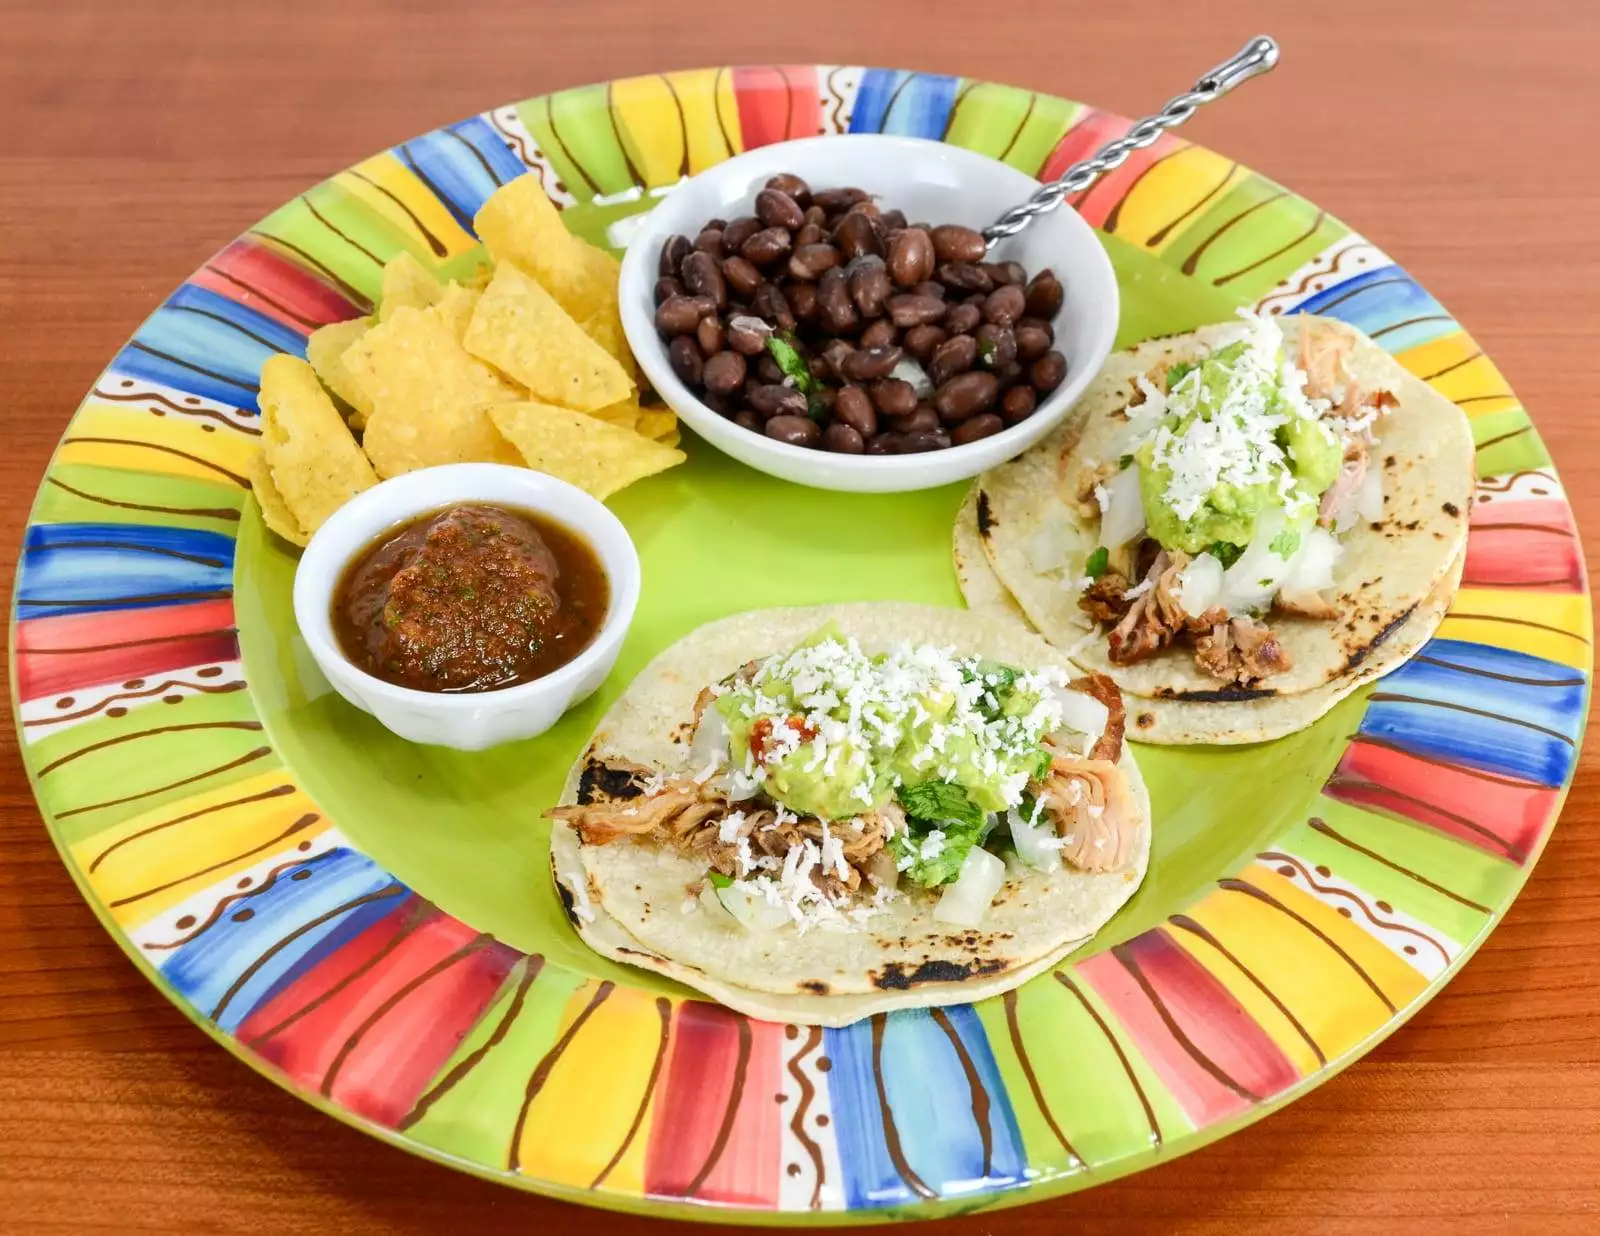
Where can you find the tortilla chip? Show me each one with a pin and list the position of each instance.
(520, 330)
(456, 306)
(275, 513)
(597, 457)
(657, 424)
(325, 350)
(316, 465)
(672, 437)
(407, 283)
(427, 394)
(605, 327)
(624, 413)
(521, 225)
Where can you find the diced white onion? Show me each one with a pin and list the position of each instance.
(907, 370)
(1369, 495)
(710, 743)
(753, 911)
(1311, 568)
(1123, 519)
(1200, 584)
(1254, 579)
(1053, 546)
(1081, 713)
(1035, 842)
(964, 903)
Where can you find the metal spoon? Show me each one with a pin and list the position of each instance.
(1258, 56)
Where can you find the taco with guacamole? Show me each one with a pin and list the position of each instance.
(1257, 510)
(814, 815)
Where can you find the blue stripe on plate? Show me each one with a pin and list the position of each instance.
(908, 104)
(1386, 303)
(463, 164)
(90, 568)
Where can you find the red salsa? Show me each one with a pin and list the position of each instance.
(470, 598)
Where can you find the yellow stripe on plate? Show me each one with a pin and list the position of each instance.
(1555, 625)
(1172, 194)
(620, 1041)
(395, 192)
(710, 115)
(652, 127)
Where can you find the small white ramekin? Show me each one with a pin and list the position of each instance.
(474, 720)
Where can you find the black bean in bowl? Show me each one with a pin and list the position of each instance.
(821, 320)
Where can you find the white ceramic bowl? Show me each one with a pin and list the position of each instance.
(470, 721)
(928, 180)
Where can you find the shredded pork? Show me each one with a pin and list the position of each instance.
(1241, 651)
(1092, 806)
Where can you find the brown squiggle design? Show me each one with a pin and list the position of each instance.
(716, 110)
(174, 598)
(683, 123)
(1009, 1000)
(535, 963)
(1333, 890)
(1505, 437)
(200, 512)
(475, 945)
(634, 173)
(1464, 401)
(277, 791)
(1396, 698)
(735, 1093)
(797, 1122)
(1305, 280)
(1426, 317)
(1122, 1056)
(250, 971)
(1505, 484)
(664, 1011)
(841, 122)
(894, 97)
(434, 243)
(1454, 365)
(955, 110)
(1276, 253)
(198, 559)
(513, 139)
(547, 1063)
(1519, 622)
(303, 823)
(788, 100)
(555, 133)
(891, 1135)
(1115, 213)
(222, 320)
(233, 899)
(1260, 894)
(1022, 125)
(248, 758)
(160, 729)
(1372, 740)
(152, 396)
(341, 234)
(80, 649)
(221, 688)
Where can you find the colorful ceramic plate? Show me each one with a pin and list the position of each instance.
(372, 924)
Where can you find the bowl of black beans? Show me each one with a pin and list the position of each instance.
(827, 311)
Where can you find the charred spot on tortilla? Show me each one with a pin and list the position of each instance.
(894, 977)
(985, 515)
(1222, 695)
(1145, 720)
(601, 779)
(815, 987)
(1356, 656)
(1388, 461)
(1451, 509)
(568, 906)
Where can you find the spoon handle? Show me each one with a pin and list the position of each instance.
(1257, 57)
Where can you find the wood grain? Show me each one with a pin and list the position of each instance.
(139, 138)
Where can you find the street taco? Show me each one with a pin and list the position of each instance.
(1250, 511)
(1217, 723)
(818, 814)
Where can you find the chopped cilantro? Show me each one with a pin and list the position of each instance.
(1286, 542)
(1098, 561)
(956, 841)
(793, 364)
(986, 351)
(1125, 462)
(1265, 583)
(1179, 371)
(718, 880)
(1225, 553)
(940, 802)
(1040, 770)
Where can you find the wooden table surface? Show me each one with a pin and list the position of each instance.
(137, 139)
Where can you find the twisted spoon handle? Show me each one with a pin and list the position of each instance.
(1257, 57)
